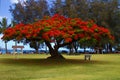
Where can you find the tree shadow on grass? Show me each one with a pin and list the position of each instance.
(49, 62)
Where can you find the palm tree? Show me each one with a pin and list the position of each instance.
(3, 26)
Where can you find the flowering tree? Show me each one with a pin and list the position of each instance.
(58, 29)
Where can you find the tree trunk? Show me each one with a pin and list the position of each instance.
(55, 55)
(76, 50)
(106, 48)
(71, 49)
(110, 48)
(36, 50)
(100, 50)
(15, 45)
(6, 46)
(53, 51)
(84, 50)
(75, 45)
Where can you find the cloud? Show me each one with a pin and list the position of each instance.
(1, 18)
(8, 19)
(14, 1)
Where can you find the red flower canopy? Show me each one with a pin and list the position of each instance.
(57, 28)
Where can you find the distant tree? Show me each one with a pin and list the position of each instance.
(104, 14)
(116, 28)
(71, 8)
(57, 7)
(3, 26)
(29, 11)
(35, 45)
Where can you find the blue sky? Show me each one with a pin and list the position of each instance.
(4, 8)
(4, 12)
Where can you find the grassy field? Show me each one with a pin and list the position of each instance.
(37, 67)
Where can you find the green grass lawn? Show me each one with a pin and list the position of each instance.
(37, 67)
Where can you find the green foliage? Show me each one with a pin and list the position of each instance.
(46, 29)
(30, 11)
(35, 45)
(88, 42)
(78, 31)
(3, 24)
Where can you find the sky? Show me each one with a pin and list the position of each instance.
(4, 12)
(4, 8)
